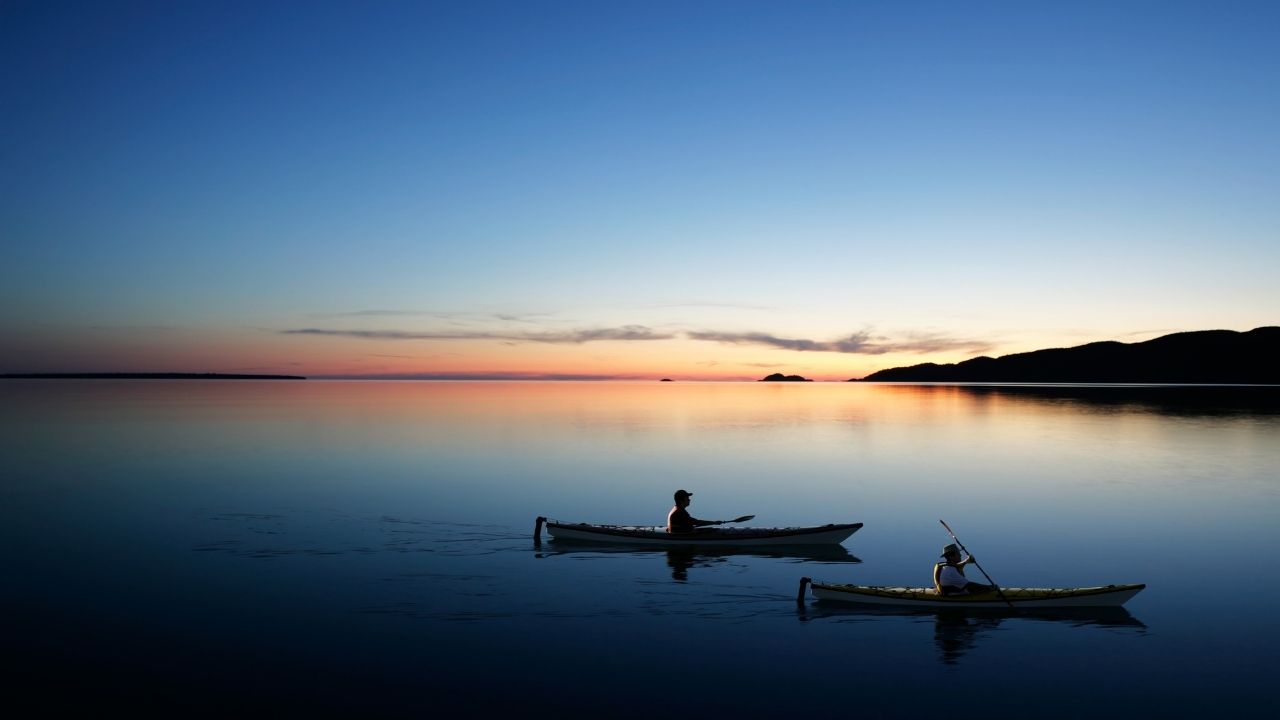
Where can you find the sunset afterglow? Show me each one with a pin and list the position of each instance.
(705, 191)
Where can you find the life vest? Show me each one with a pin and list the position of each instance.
(937, 579)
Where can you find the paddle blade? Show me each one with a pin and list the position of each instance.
(744, 518)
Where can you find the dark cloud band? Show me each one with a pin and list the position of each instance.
(860, 343)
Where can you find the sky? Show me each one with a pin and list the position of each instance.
(638, 190)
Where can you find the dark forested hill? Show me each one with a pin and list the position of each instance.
(1208, 356)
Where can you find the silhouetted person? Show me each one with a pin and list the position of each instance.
(948, 575)
(680, 521)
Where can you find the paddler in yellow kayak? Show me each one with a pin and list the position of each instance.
(948, 575)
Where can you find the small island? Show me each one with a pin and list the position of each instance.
(779, 377)
(144, 376)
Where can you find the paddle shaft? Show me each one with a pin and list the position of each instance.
(975, 563)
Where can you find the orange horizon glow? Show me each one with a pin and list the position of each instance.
(258, 351)
(220, 350)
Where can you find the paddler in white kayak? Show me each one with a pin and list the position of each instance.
(948, 575)
(680, 521)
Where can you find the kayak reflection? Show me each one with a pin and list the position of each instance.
(957, 631)
(681, 559)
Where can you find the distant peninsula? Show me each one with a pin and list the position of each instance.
(144, 376)
(1203, 357)
(779, 377)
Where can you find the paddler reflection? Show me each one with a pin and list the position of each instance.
(956, 634)
(680, 559)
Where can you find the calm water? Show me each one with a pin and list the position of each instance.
(366, 547)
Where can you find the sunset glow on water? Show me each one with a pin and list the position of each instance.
(316, 544)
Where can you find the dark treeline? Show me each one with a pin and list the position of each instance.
(1204, 357)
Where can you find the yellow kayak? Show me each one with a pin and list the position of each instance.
(1102, 596)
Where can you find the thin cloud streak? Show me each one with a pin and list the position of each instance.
(567, 337)
(932, 342)
(856, 343)
(859, 343)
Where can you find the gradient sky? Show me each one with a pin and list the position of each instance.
(701, 190)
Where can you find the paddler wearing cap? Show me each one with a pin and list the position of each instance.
(680, 521)
(948, 575)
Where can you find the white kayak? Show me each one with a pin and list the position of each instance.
(658, 535)
(1103, 596)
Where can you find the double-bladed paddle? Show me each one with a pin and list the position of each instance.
(975, 563)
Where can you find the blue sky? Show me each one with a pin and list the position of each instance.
(628, 189)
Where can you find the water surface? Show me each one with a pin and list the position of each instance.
(366, 547)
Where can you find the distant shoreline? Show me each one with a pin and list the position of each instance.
(144, 376)
(1203, 357)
